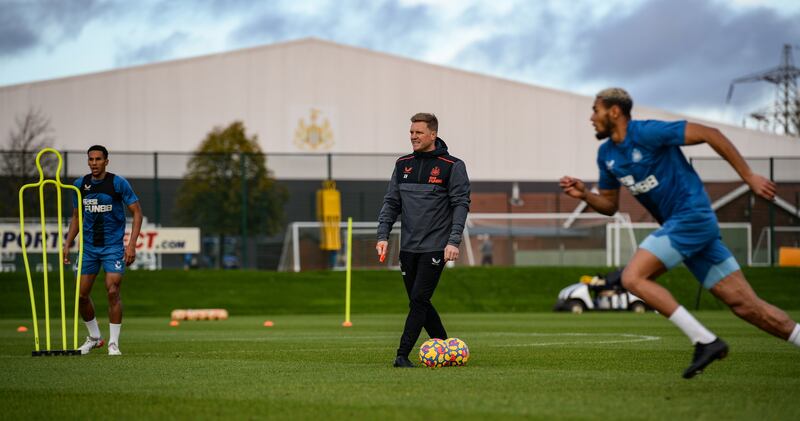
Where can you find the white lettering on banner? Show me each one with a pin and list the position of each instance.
(643, 186)
(151, 239)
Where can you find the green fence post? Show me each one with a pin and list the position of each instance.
(66, 177)
(156, 191)
(243, 167)
(66, 165)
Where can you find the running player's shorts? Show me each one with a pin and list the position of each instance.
(696, 242)
(111, 258)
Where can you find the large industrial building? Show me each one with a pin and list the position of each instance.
(320, 108)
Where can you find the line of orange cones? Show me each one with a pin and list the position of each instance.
(182, 315)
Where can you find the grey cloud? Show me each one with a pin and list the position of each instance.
(70, 16)
(383, 25)
(21, 22)
(511, 51)
(529, 43)
(265, 27)
(167, 11)
(671, 54)
(15, 34)
(388, 23)
(159, 50)
(234, 6)
(686, 52)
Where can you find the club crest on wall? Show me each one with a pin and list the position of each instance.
(314, 133)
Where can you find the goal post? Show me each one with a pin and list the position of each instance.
(301, 247)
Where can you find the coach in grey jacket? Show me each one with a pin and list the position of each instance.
(430, 190)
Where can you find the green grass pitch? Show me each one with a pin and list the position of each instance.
(522, 364)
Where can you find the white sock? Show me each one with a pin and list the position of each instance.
(795, 336)
(94, 329)
(114, 333)
(696, 332)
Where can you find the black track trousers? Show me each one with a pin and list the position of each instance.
(421, 273)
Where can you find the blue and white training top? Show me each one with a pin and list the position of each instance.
(649, 162)
(104, 203)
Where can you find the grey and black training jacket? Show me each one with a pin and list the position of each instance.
(430, 190)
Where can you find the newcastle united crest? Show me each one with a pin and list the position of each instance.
(314, 135)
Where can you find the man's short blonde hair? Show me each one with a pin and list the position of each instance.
(618, 97)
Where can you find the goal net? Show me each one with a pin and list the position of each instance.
(512, 239)
(301, 248)
(779, 236)
(736, 236)
(550, 239)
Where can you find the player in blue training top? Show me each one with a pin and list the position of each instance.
(645, 157)
(105, 197)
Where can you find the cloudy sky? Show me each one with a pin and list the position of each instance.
(678, 55)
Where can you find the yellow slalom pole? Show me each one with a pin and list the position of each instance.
(80, 265)
(25, 260)
(60, 245)
(45, 272)
(347, 322)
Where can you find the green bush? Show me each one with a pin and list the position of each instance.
(495, 289)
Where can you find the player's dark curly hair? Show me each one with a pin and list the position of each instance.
(100, 148)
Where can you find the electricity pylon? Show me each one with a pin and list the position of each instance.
(784, 115)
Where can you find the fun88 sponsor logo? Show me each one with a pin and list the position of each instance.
(643, 186)
(91, 205)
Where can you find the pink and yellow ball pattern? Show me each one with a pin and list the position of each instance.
(432, 353)
(456, 352)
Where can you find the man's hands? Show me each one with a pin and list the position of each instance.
(450, 253)
(381, 248)
(130, 253)
(761, 186)
(603, 201)
(66, 253)
(573, 187)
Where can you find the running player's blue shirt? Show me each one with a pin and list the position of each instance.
(649, 162)
(104, 210)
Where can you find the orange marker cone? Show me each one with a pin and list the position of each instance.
(22, 329)
(347, 324)
(268, 323)
(174, 323)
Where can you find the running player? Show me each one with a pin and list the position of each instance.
(645, 157)
(105, 196)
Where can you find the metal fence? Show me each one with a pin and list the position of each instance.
(773, 224)
(159, 177)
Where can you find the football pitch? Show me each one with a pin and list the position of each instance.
(522, 365)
